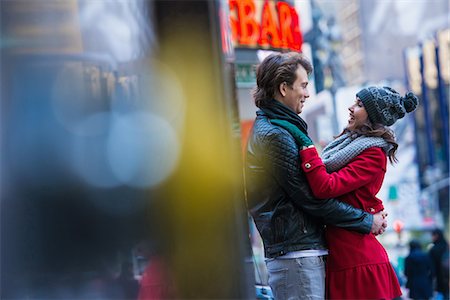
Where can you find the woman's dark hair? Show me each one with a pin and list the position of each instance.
(274, 70)
(378, 130)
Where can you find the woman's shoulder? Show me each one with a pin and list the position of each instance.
(374, 153)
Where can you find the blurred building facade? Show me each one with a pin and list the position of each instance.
(427, 72)
(352, 51)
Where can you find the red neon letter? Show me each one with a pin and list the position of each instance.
(284, 15)
(268, 27)
(295, 29)
(249, 29)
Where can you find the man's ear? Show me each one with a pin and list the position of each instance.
(282, 89)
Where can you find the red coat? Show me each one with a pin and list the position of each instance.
(358, 266)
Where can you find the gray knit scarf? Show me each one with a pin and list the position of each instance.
(343, 149)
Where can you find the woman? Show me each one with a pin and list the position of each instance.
(353, 169)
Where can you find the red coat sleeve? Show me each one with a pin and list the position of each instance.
(357, 173)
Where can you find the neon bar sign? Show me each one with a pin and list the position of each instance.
(276, 26)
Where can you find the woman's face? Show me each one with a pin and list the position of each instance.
(358, 115)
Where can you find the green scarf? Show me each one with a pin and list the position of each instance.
(277, 110)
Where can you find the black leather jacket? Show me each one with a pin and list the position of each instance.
(279, 199)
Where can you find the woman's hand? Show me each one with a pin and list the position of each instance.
(302, 139)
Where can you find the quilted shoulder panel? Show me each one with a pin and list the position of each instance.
(278, 146)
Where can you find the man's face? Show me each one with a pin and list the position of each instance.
(295, 96)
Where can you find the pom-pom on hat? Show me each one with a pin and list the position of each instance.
(385, 105)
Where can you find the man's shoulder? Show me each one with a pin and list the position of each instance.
(274, 144)
(265, 129)
(376, 155)
(274, 138)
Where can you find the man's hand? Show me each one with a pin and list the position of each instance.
(379, 223)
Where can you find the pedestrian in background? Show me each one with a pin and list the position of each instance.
(289, 218)
(418, 270)
(439, 253)
(353, 170)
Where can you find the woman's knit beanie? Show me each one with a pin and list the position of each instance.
(385, 105)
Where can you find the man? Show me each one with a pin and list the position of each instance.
(439, 257)
(289, 219)
(418, 270)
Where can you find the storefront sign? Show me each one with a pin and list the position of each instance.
(444, 54)
(245, 73)
(265, 24)
(413, 70)
(429, 59)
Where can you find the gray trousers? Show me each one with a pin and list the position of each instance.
(297, 278)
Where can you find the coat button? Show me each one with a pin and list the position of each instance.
(307, 165)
